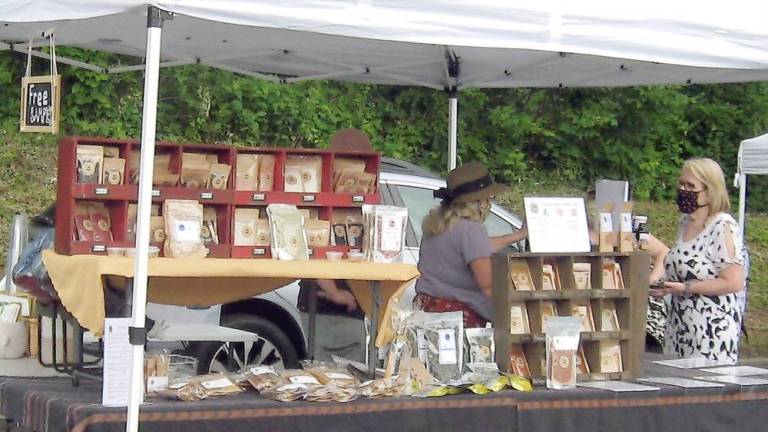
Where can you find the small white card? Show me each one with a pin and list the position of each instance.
(118, 355)
(261, 370)
(737, 370)
(693, 363)
(681, 382)
(729, 379)
(217, 383)
(617, 386)
(303, 379)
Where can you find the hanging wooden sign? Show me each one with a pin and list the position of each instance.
(40, 101)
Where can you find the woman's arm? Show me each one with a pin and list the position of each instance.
(658, 251)
(330, 291)
(501, 242)
(729, 280)
(481, 269)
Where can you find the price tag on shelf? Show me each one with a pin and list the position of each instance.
(101, 191)
(155, 192)
(258, 197)
(206, 195)
(358, 198)
(308, 198)
(259, 251)
(98, 248)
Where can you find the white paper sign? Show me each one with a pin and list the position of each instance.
(693, 362)
(556, 225)
(739, 380)
(617, 386)
(118, 355)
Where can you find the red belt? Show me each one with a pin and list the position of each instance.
(427, 303)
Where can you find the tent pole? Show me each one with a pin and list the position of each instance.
(742, 205)
(453, 110)
(137, 331)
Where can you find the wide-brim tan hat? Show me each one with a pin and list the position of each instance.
(470, 182)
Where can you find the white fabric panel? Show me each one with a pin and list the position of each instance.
(499, 43)
(753, 155)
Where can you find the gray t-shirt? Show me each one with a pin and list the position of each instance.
(444, 265)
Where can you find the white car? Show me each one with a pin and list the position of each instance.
(276, 317)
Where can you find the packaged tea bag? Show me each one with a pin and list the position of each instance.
(219, 176)
(609, 319)
(183, 225)
(162, 174)
(209, 232)
(156, 229)
(311, 174)
(247, 172)
(132, 166)
(292, 179)
(518, 319)
(443, 333)
(289, 241)
(518, 364)
(366, 182)
(245, 226)
(581, 362)
(342, 164)
(83, 225)
(263, 378)
(562, 344)
(582, 275)
(520, 275)
(100, 222)
(610, 357)
(113, 171)
(584, 311)
(195, 171)
(481, 345)
(318, 232)
(266, 173)
(386, 227)
(340, 234)
(626, 235)
(262, 233)
(89, 162)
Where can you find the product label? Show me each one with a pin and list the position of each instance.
(606, 223)
(186, 231)
(626, 222)
(391, 234)
(217, 383)
(261, 370)
(447, 346)
(303, 379)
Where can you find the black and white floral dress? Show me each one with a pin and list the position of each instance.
(700, 325)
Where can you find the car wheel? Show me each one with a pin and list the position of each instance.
(272, 348)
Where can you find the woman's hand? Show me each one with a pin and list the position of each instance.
(340, 297)
(675, 288)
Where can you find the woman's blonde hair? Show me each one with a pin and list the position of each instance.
(709, 173)
(443, 217)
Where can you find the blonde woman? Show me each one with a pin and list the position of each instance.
(704, 269)
(455, 257)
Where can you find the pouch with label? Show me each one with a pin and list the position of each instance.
(247, 172)
(219, 176)
(245, 226)
(183, 226)
(89, 163)
(113, 171)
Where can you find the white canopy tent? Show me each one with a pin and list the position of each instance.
(752, 160)
(444, 45)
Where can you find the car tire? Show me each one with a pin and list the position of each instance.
(273, 348)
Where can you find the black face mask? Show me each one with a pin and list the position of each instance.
(688, 201)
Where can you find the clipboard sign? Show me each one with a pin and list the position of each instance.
(40, 102)
(556, 225)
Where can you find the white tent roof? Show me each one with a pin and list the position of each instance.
(499, 43)
(753, 155)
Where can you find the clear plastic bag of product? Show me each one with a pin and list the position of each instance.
(444, 339)
(263, 378)
(481, 346)
(289, 241)
(562, 345)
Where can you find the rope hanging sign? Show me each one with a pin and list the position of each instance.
(41, 96)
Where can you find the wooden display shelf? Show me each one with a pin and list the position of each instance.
(628, 303)
(118, 198)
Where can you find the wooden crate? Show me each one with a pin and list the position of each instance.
(630, 304)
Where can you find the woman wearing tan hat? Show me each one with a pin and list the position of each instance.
(455, 257)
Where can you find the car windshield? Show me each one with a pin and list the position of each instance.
(420, 201)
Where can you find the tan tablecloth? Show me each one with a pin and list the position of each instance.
(79, 281)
